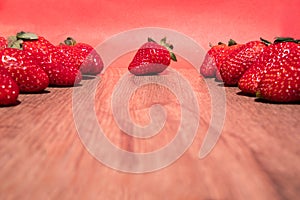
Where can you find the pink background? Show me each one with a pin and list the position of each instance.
(205, 21)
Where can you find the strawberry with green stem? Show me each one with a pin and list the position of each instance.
(86, 58)
(211, 64)
(152, 58)
(53, 62)
(236, 63)
(22, 67)
(277, 74)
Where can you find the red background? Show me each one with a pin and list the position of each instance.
(205, 21)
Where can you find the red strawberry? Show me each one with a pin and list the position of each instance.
(30, 78)
(232, 46)
(70, 55)
(50, 59)
(15, 57)
(211, 63)
(276, 75)
(64, 76)
(38, 46)
(85, 56)
(3, 43)
(21, 66)
(152, 58)
(281, 83)
(277, 54)
(235, 65)
(9, 90)
(208, 67)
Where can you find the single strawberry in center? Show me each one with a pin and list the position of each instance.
(152, 58)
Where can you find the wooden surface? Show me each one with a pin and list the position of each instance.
(256, 157)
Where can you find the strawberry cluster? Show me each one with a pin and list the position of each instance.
(270, 71)
(29, 64)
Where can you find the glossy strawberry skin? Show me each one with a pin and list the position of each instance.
(151, 58)
(223, 58)
(16, 57)
(9, 90)
(30, 78)
(60, 69)
(86, 57)
(3, 43)
(209, 65)
(21, 66)
(63, 76)
(273, 55)
(281, 82)
(236, 64)
(90, 61)
(40, 49)
(54, 63)
(70, 55)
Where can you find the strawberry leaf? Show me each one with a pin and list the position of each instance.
(265, 41)
(27, 36)
(163, 41)
(173, 57)
(70, 41)
(285, 39)
(231, 42)
(151, 40)
(13, 42)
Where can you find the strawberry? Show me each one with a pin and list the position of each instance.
(239, 61)
(50, 59)
(30, 78)
(232, 46)
(22, 67)
(9, 90)
(86, 57)
(276, 76)
(275, 55)
(208, 67)
(15, 57)
(3, 42)
(212, 58)
(281, 83)
(70, 55)
(152, 58)
(64, 76)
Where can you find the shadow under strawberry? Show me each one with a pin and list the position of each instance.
(11, 105)
(241, 93)
(33, 93)
(64, 86)
(260, 100)
(88, 77)
(221, 84)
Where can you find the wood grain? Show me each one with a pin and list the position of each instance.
(256, 157)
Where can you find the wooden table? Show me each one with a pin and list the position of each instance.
(256, 157)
